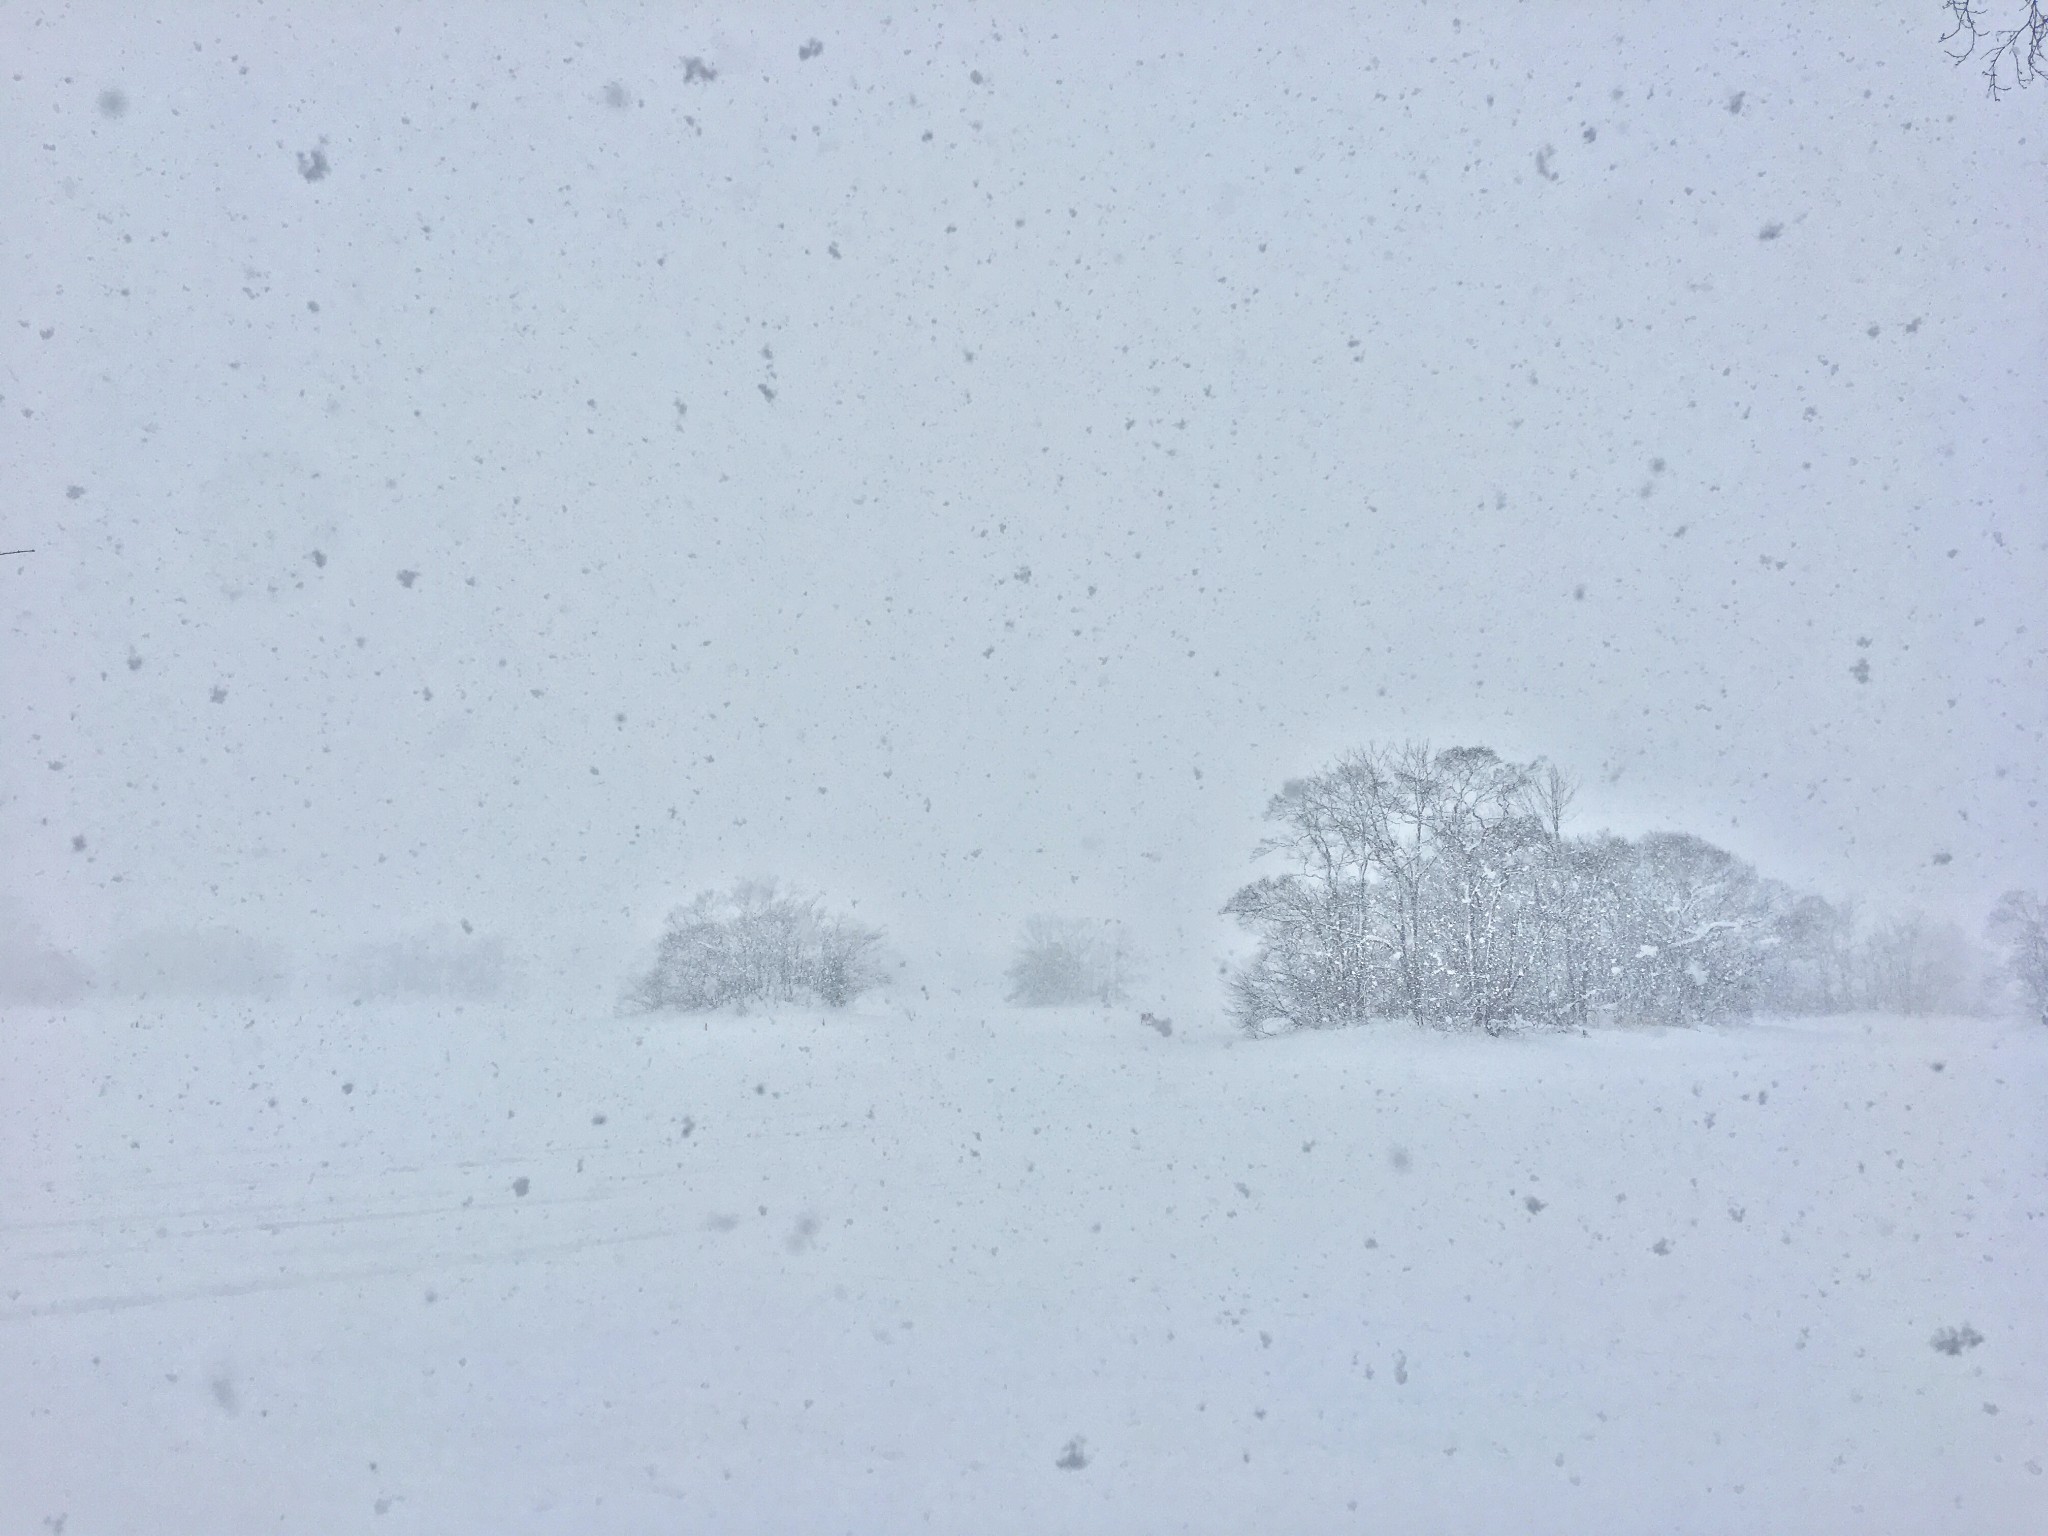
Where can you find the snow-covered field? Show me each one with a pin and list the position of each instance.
(279, 1267)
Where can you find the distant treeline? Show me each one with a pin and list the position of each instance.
(1443, 887)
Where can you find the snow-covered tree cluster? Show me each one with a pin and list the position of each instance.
(1441, 886)
(757, 944)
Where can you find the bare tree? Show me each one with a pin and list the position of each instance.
(1914, 964)
(1676, 930)
(2019, 925)
(1407, 896)
(1485, 830)
(1560, 912)
(1817, 964)
(2012, 55)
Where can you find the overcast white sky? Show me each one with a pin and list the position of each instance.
(604, 479)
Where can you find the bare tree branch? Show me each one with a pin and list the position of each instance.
(2012, 56)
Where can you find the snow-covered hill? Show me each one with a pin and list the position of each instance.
(324, 1270)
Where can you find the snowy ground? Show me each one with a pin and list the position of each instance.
(274, 1267)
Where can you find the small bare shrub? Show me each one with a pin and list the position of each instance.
(1063, 960)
